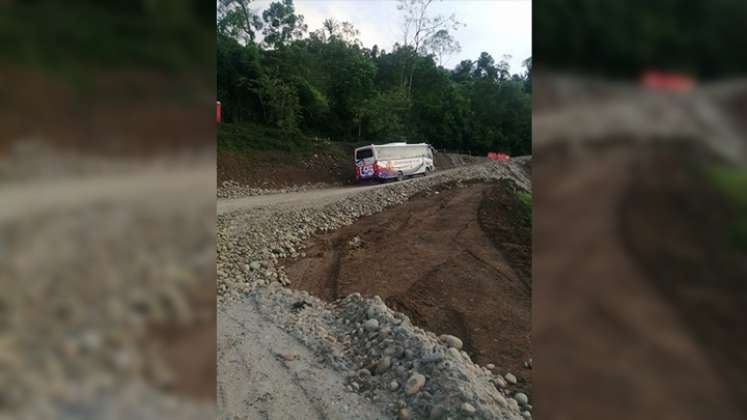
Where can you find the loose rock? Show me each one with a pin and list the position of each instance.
(451, 341)
(414, 384)
(371, 325)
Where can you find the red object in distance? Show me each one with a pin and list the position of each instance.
(497, 156)
(664, 80)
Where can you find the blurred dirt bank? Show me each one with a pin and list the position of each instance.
(637, 290)
(107, 244)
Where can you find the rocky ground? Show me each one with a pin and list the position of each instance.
(102, 285)
(372, 360)
(233, 189)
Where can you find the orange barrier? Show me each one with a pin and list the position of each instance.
(663, 80)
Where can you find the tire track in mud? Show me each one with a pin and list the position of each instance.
(430, 259)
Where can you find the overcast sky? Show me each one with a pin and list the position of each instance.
(496, 26)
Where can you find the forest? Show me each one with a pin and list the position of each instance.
(277, 75)
(622, 39)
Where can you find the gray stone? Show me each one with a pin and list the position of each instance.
(384, 364)
(468, 408)
(405, 414)
(414, 384)
(521, 398)
(451, 341)
(371, 325)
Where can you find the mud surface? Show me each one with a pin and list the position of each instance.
(431, 259)
(608, 319)
(636, 292)
(677, 228)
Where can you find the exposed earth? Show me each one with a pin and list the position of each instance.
(637, 291)
(251, 172)
(367, 339)
(430, 259)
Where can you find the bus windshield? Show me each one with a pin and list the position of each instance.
(363, 154)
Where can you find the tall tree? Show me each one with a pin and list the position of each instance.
(281, 24)
(442, 44)
(344, 31)
(237, 20)
(417, 27)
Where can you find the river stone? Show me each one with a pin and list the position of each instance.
(521, 398)
(405, 414)
(468, 408)
(414, 384)
(371, 325)
(384, 364)
(451, 341)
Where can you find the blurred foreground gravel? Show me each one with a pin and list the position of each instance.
(97, 260)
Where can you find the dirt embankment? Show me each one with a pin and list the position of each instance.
(637, 291)
(677, 229)
(456, 262)
(274, 169)
(326, 163)
(638, 295)
(115, 113)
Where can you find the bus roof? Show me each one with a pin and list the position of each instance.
(393, 145)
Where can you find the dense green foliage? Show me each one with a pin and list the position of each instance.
(622, 38)
(69, 36)
(327, 84)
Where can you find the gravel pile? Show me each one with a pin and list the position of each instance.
(81, 288)
(251, 243)
(414, 373)
(232, 189)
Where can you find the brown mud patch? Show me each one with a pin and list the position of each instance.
(432, 259)
(635, 295)
(677, 228)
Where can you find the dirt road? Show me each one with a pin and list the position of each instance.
(306, 199)
(313, 198)
(265, 373)
(24, 199)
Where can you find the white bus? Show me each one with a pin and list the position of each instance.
(393, 160)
